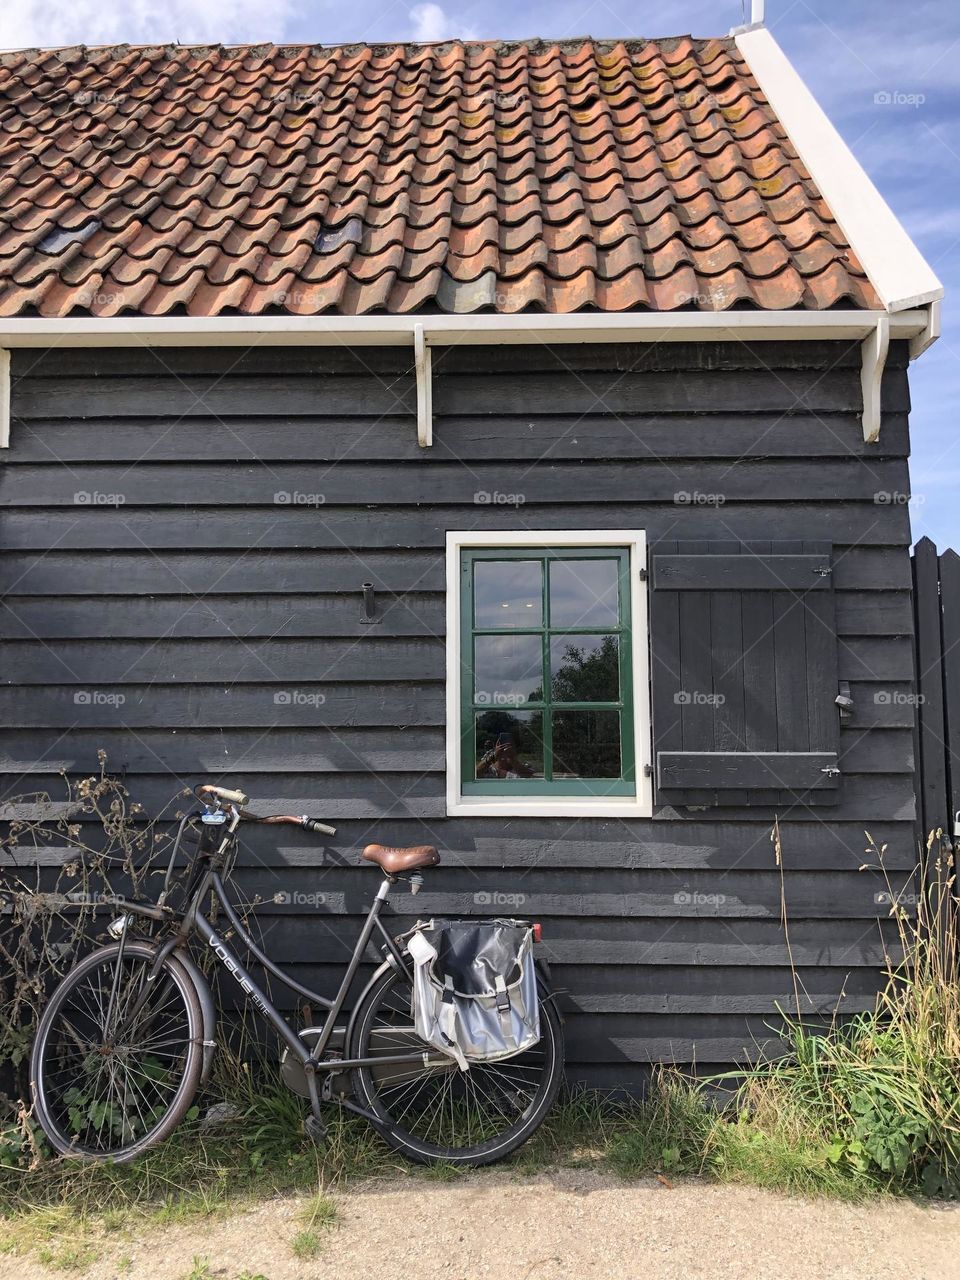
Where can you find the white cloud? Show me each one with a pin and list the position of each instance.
(50, 23)
(431, 23)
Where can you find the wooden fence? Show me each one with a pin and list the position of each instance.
(936, 582)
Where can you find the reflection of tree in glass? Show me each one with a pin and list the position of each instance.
(506, 747)
(586, 744)
(588, 675)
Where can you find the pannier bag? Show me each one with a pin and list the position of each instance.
(475, 988)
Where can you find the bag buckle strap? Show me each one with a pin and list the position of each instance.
(503, 1008)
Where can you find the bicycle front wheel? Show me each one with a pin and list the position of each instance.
(118, 1054)
(440, 1114)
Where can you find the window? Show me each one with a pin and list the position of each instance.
(547, 701)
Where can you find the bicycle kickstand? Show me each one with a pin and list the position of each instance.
(314, 1124)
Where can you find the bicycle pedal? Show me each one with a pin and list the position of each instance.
(315, 1129)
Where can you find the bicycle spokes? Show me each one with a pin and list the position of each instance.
(115, 1055)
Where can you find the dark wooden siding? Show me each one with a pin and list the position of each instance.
(190, 591)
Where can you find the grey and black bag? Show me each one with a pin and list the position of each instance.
(475, 988)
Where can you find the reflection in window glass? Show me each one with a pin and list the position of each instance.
(509, 744)
(586, 744)
(546, 700)
(584, 593)
(585, 668)
(508, 593)
(508, 669)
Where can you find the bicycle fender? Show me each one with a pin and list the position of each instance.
(207, 1007)
(358, 1003)
(545, 987)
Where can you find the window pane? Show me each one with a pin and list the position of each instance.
(584, 593)
(585, 668)
(507, 593)
(508, 670)
(509, 745)
(586, 744)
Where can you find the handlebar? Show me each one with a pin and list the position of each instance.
(221, 793)
(239, 799)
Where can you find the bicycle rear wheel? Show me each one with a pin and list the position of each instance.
(118, 1054)
(440, 1114)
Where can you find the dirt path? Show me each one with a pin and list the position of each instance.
(560, 1224)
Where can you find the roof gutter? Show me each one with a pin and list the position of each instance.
(422, 332)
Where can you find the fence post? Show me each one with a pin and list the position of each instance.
(931, 761)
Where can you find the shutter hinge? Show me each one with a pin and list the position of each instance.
(648, 770)
(643, 575)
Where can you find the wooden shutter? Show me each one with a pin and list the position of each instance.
(744, 673)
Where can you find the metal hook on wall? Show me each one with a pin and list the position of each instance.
(369, 603)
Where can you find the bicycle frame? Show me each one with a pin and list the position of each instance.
(193, 922)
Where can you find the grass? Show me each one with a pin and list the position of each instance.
(319, 1216)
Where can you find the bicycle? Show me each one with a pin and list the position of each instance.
(129, 1034)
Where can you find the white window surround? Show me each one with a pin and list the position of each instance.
(640, 806)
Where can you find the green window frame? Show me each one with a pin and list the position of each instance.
(547, 704)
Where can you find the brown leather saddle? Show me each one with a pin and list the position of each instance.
(395, 861)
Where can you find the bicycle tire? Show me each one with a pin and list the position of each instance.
(51, 1105)
(393, 987)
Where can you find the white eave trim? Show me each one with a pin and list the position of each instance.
(895, 266)
(452, 330)
(4, 398)
(422, 332)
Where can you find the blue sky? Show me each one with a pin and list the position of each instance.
(847, 51)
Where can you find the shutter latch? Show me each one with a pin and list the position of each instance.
(843, 700)
(822, 571)
(831, 771)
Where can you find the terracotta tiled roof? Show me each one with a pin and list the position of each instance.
(451, 178)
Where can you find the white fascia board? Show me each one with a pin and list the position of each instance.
(4, 398)
(895, 266)
(450, 330)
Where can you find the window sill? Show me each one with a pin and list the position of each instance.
(549, 807)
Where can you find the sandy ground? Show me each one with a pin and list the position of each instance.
(563, 1223)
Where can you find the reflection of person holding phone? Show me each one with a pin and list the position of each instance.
(499, 760)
